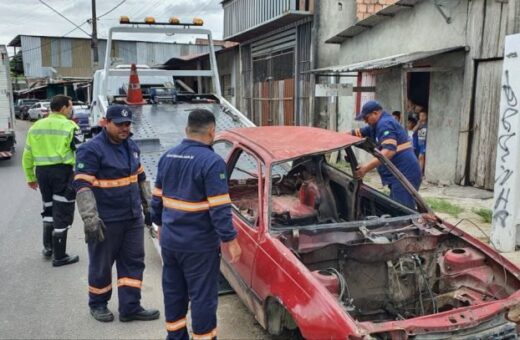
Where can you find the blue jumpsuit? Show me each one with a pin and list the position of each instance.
(112, 172)
(390, 135)
(191, 202)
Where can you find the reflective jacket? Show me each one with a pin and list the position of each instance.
(191, 200)
(112, 171)
(49, 141)
(390, 135)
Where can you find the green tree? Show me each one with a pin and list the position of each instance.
(16, 64)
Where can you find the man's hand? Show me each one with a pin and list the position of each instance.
(33, 185)
(94, 226)
(361, 171)
(147, 219)
(234, 250)
(94, 230)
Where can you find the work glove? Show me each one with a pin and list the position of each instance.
(146, 198)
(94, 227)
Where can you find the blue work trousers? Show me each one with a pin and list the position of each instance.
(124, 245)
(190, 277)
(400, 194)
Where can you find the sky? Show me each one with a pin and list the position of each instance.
(32, 17)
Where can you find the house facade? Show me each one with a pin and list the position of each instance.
(280, 41)
(445, 56)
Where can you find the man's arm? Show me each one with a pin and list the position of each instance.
(28, 164)
(388, 141)
(156, 202)
(215, 180)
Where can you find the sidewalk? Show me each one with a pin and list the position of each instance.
(468, 199)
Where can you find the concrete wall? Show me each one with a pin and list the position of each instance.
(332, 20)
(388, 89)
(444, 118)
(419, 29)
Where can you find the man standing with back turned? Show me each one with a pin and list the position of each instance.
(48, 161)
(112, 195)
(394, 143)
(191, 203)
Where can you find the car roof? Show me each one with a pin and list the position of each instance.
(288, 142)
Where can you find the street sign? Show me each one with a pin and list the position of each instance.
(505, 233)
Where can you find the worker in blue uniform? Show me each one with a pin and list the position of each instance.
(394, 143)
(191, 204)
(112, 194)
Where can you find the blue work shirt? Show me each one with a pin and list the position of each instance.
(112, 172)
(390, 135)
(191, 199)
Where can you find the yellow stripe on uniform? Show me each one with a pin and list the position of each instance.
(404, 146)
(185, 205)
(86, 178)
(176, 325)
(219, 200)
(99, 291)
(207, 336)
(107, 183)
(389, 141)
(129, 282)
(140, 170)
(157, 192)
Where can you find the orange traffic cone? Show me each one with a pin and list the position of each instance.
(134, 95)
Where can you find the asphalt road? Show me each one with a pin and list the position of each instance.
(38, 301)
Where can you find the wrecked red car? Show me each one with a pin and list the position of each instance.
(332, 258)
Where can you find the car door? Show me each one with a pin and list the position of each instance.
(245, 184)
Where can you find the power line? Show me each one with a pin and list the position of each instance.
(64, 17)
(113, 9)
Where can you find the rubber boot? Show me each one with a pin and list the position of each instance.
(59, 242)
(47, 239)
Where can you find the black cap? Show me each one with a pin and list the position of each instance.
(119, 113)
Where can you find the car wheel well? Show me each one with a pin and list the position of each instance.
(278, 319)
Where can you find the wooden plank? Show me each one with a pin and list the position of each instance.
(495, 21)
(474, 29)
(266, 112)
(289, 104)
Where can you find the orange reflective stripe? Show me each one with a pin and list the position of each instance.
(219, 200)
(140, 170)
(157, 192)
(116, 182)
(126, 281)
(389, 141)
(207, 336)
(185, 205)
(99, 291)
(176, 325)
(404, 146)
(87, 178)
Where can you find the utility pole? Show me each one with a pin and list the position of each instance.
(94, 43)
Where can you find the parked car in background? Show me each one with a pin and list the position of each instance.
(39, 110)
(22, 106)
(81, 115)
(324, 253)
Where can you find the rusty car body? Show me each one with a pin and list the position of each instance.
(327, 255)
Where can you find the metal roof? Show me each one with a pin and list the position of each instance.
(382, 63)
(285, 142)
(373, 20)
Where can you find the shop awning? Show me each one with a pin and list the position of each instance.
(382, 63)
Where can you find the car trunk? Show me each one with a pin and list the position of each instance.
(388, 271)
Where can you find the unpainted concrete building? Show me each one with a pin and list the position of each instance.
(444, 55)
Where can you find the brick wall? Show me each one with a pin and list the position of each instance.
(366, 8)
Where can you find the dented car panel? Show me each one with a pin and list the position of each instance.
(327, 255)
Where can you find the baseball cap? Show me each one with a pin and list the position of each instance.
(368, 107)
(119, 114)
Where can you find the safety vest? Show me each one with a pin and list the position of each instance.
(48, 143)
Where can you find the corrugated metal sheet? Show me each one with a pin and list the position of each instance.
(32, 56)
(386, 62)
(277, 42)
(243, 19)
(55, 53)
(373, 20)
(65, 53)
(127, 51)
